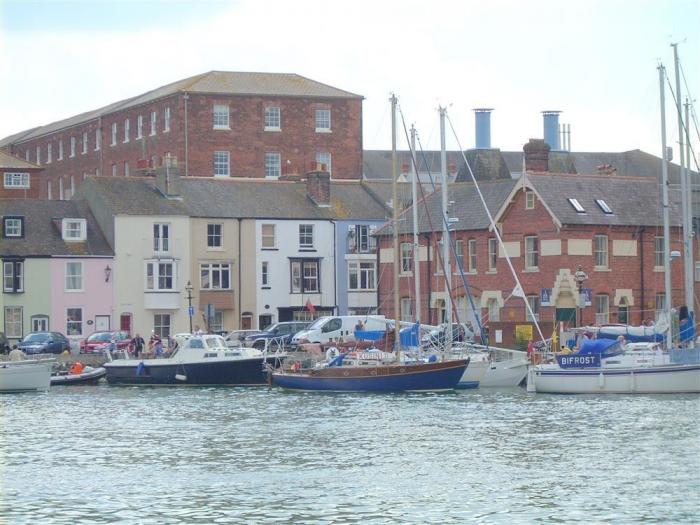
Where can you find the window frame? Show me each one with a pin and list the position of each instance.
(406, 310)
(601, 249)
(270, 118)
(534, 302)
(322, 116)
(602, 317)
(471, 250)
(162, 324)
(268, 236)
(304, 280)
(406, 254)
(213, 235)
(324, 157)
(10, 323)
(161, 237)
(493, 254)
(154, 123)
(85, 143)
(221, 163)
(72, 147)
(529, 200)
(306, 237)
(166, 119)
(364, 272)
(531, 253)
(273, 165)
(139, 127)
(78, 278)
(115, 132)
(659, 252)
(156, 280)
(17, 180)
(265, 274)
(217, 118)
(68, 229)
(15, 276)
(212, 270)
(127, 130)
(72, 332)
(49, 153)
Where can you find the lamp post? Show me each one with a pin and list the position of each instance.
(580, 276)
(189, 289)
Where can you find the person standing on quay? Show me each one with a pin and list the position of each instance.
(137, 343)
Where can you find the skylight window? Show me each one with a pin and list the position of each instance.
(604, 206)
(577, 205)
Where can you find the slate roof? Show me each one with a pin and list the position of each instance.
(220, 82)
(43, 237)
(11, 161)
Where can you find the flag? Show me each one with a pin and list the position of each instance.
(309, 306)
(518, 291)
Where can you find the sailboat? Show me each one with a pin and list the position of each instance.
(377, 375)
(614, 365)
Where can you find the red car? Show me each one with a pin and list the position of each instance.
(97, 341)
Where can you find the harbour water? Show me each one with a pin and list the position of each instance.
(218, 455)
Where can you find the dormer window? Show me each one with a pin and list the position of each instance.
(13, 227)
(604, 206)
(577, 205)
(74, 229)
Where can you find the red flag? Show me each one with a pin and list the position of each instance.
(309, 306)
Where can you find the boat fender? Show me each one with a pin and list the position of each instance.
(141, 369)
(332, 353)
(181, 377)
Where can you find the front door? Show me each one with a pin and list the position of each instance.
(101, 323)
(40, 323)
(246, 321)
(125, 323)
(264, 321)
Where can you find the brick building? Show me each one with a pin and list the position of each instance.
(20, 179)
(224, 124)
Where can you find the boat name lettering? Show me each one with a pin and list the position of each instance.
(578, 361)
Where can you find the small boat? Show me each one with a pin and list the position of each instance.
(611, 367)
(490, 367)
(89, 376)
(201, 360)
(28, 375)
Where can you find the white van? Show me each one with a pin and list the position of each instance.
(332, 328)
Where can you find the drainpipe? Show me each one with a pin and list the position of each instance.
(238, 256)
(641, 272)
(187, 174)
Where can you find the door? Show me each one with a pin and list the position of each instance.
(264, 321)
(246, 321)
(125, 323)
(101, 323)
(40, 323)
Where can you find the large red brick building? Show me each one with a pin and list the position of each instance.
(223, 124)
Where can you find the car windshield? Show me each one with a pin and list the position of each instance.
(273, 327)
(318, 323)
(100, 337)
(36, 338)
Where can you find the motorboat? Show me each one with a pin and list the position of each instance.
(614, 367)
(201, 360)
(27, 375)
(490, 367)
(89, 376)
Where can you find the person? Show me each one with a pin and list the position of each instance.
(158, 347)
(137, 344)
(16, 354)
(197, 330)
(359, 326)
(77, 368)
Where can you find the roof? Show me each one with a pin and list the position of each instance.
(43, 237)
(11, 161)
(221, 82)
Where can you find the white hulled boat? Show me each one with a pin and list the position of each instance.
(25, 376)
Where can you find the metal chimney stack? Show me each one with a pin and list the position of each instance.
(483, 127)
(551, 129)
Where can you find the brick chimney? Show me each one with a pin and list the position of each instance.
(168, 178)
(318, 187)
(536, 155)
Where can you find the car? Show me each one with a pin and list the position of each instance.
(282, 332)
(44, 343)
(235, 339)
(98, 340)
(4, 343)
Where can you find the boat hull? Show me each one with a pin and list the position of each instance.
(238, 372)
(504, 374)
(90, 377)
(672, 379)
(25, 376)
(474, 374)
(381, 378)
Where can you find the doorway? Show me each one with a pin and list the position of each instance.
(102, 323)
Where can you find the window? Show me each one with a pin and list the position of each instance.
(323, 120)
(273, 165)
(306, 236)
(161, 325)
(604, 206)
(74, 276)
(114, 134)
(49, 153)
(220, 117)
(272, 119)
(72, 146)
(13, 276)
(577, 205)
(40, 323)
(265, 274)
(529, 200)
(697, 271)
(114, 170)
(17, 180)
(74, 321)
(324, 158)
(601, 310)
(85, 142)
(601, 251)
(161, 237)
(659, 252)
(60, 189)
(531, 253)
(74, 229)
(72, 186)
(216, 323)
(406, 257)
(660, 305)
(126, 169)
(215, 276)
(38, 155)
(459, 254)
(48, 190)
(472, 255)
(98, 139)
(533, 302)
(127, 130)
(166, 120)
(13, 322)
(268, 236)
(160, 276)
(214, 235)
(361, 275)
(493, 253)
(360, 238)
(494, 310)
(139, 127)
(221, 164)
(406, 310)
(60, 149)
(154, 122)
(623, 311)
(305, 276)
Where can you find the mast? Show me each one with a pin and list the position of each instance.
(416, 245)
(445, 231)
(395, 221)
(664, 202)
(685, 192)
(689, 207)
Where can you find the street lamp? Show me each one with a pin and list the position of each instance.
(580, 276)
(190, 313)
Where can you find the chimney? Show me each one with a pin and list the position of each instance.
(318, 187)
(168, 178)
(536, 155)
(551, 129)
(482, 123)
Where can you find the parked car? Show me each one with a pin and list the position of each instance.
(44, 343)
(98, 340)
(4, 343)
(236, 338)
(283, 332)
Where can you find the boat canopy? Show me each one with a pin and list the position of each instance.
(602, 347)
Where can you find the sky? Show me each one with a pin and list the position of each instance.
(596, 61)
